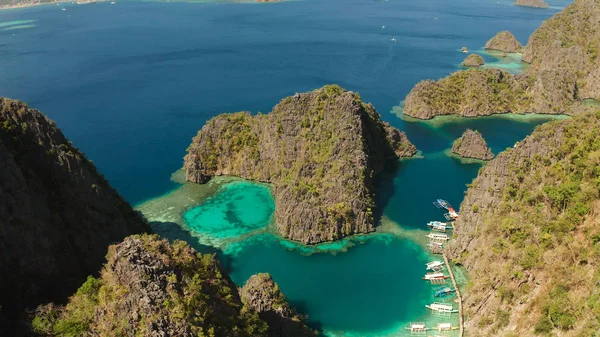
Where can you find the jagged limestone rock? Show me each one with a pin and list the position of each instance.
(472, 145)
(57, 213)
(320, 150)
(528, 235)
(504, 41)
(473, 60)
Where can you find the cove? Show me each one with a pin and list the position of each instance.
(418, 182)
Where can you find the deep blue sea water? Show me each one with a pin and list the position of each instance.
(130, 84)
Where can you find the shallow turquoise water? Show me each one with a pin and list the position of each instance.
(237, 208)
(342, 291)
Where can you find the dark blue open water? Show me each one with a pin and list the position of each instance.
(130, 84)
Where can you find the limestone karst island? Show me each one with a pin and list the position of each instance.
(224, 168)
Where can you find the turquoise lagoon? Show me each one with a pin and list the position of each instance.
(367, 285)
(130, 84)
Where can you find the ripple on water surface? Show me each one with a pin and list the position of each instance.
(237, 208)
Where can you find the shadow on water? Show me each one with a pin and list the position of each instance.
(301, 306)
(384, 189)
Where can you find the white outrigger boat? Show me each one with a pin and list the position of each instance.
(435, 276)
(417, 327)
(446, 327)
(441, 307)
(438, 237)
(434, 265)
(439, 226)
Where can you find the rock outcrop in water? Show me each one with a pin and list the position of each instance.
(564, 70)
(528, 235)
(472, 145)
(505, 42)
(532, 3)
(58, 214)
(261, 294)
(319, 149)
(473, 60)
(150, 287)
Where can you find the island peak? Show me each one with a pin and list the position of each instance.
(472, 145)
(504, 41)
(320, 150)
(473, 60)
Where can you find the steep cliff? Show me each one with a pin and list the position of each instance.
(504, 41)
(564, 70)
(569, 43)
(532, 3)
(261, 294)
(57, 213)
(150, 287)
(472, 145)
(529, 237)
(319, 149)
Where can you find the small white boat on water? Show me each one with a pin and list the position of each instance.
(417, 327)
(435, 276)
(438, 237)
(441, 307)
(446, 327)
(439, 226)
(393, 39)
(434, 265)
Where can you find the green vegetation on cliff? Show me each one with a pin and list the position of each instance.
(150, 287)
(473, 92)
(564, 70)
(319, 149)
(58, 213)
(529, 236)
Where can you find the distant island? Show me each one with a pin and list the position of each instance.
(532, 3)
(5, 4)
(563, 71)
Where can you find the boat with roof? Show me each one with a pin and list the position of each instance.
(439, 226)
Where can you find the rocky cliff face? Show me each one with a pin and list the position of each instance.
(469, 93)
(319, 149)
(564, 71)
(528, 235)
(150, 287)
(569, 43)
(473, 60)
(472, 145)
(532, 3)
(504, 41)
(57, 213)
(262, 294)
